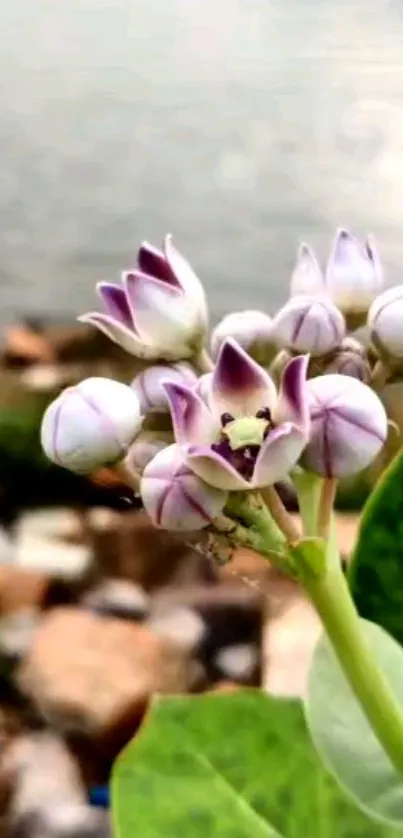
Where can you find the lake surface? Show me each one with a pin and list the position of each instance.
(239, 126)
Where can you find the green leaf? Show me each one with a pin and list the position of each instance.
(342, 734)
(376, 570)
(237, 765)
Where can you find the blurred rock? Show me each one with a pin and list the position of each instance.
(20, 588)
(93, 675)
(224, 623)
(129, 547)
(117, 598)
(225, 687)
(17, 631)
(48, 798)
(289, 641)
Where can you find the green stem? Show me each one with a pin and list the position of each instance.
(333, 602)
(251, 509)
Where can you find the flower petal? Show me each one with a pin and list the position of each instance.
(159, 310)
(239, 385)
(186, 277)
(191, 419)
(279, 453)
(214, 469)
(115, 301)
(124, 337)
(293, 401)
(307, 277)
(152, 261)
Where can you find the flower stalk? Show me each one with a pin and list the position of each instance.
(333, 602)
(327, 498)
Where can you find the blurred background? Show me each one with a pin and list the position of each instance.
(240, 126)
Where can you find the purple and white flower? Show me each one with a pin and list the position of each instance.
(354, 274)
(174, 497)
(148, 385)
(253, 331)
(91, 425)
(349, 426)
(249, 436)
(309, 324)
(159, 312)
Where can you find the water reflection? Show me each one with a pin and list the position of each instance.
(241, 126)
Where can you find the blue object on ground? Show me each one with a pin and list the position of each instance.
(99, 796)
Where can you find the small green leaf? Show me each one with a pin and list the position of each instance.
(237, 765)
(376, 570)
(342, 734)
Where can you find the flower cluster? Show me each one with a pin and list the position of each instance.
(276, 394)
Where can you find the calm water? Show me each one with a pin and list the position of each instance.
(240, 126)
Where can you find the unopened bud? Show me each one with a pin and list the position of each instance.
(385, 321)
(350, 359)
(91, 425)
(306, 324)
(349, 426)
(251, 329)
(174, 497)
(145, 447)
(148, 384)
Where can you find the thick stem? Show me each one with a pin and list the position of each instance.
(279, 513)
(240, 536)
(326, 504)
(333, 602)
(202, 362)
(380, 375)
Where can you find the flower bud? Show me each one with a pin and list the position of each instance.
(350, 359)
(251, 329)
(148, 385)
(353, 276)
(306, 324)
(174, 498)
(91, 425)
(385, 319)
(307, 277)
(145, 447)
(349, 426)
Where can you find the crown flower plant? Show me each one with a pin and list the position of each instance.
(159, 311)
(291, 397)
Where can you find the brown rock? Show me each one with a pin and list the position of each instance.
(225, 687)
(93, 675)
(289, 642)
(20, 588)
(129, 547)
(223, 623)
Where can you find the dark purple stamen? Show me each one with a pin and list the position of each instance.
(243, 459)
(226, 418)
(264, 413)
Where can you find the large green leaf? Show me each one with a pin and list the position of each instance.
(376, 570)
(237, 765)
(342, 734)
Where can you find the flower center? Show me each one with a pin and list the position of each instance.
(241, 439)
